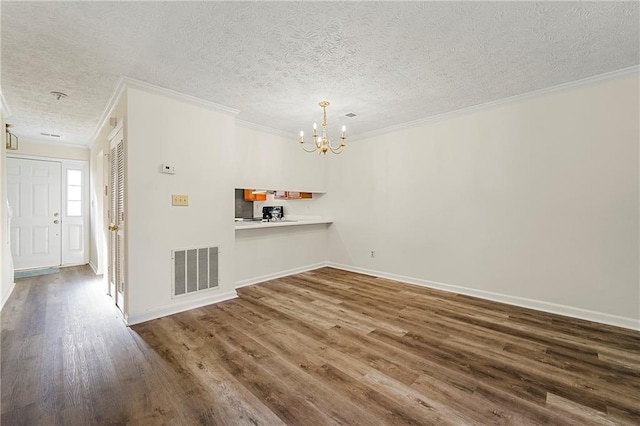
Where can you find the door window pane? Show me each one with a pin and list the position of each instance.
(74, 177)
(74, 192)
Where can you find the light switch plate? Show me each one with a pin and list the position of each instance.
(179, 200)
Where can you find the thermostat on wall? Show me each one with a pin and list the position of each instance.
(168, 169)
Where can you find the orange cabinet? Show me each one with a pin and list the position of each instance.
(292, 195)
(249, 195)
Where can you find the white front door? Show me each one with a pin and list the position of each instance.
(33, 189)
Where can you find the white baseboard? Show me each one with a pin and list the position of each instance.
(175, 308)
(279, 274)
(5, 296)
(94, 268)
(569, 311)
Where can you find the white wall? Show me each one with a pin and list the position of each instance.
(263, 254)
(199, 143)
(6, 261)
(533, 202)
(53, 150)
(267, 161)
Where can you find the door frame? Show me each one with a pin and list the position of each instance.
(63, 195)
(86, 208)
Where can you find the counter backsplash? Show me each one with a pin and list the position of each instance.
(311, 207)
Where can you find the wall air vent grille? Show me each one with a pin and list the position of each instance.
(194, 270)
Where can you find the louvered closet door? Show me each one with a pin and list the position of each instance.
(113, 255)
(116, 219)
(120, 221)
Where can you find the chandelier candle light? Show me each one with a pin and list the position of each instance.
(322, 142)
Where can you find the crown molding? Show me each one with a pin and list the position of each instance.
(127, 82)
(5, 106)
(48, 142)
(138, 84)
(264, 129)
(612, 75)
(124, 83)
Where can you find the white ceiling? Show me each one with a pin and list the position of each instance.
(387, 62)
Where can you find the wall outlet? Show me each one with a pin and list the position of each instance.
(373, 254)
(179, 200)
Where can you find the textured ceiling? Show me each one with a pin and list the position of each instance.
(388, 62)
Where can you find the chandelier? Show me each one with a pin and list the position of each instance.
(322, 143)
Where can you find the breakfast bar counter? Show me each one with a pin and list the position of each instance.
(242, 225)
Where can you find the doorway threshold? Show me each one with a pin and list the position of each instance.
(35, 272)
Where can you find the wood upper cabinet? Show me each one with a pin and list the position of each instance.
(292, 195)
(250, 196)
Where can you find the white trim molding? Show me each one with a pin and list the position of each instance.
(633, 70)
(265, 129)
(281, 274)
(6, 296)
(127, 82)
(48, 142)
(37, 157)
(175, 308)
(538, 305)
(138, 84)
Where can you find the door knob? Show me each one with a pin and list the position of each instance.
(56, 221)
(113, 227)
(55, 215)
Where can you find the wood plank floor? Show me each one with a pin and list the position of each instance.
(322, 347)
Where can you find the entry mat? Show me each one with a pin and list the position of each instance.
(35, 272)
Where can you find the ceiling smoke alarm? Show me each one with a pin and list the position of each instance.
(350, 115)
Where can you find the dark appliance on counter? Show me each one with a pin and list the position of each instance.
(273, 213)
